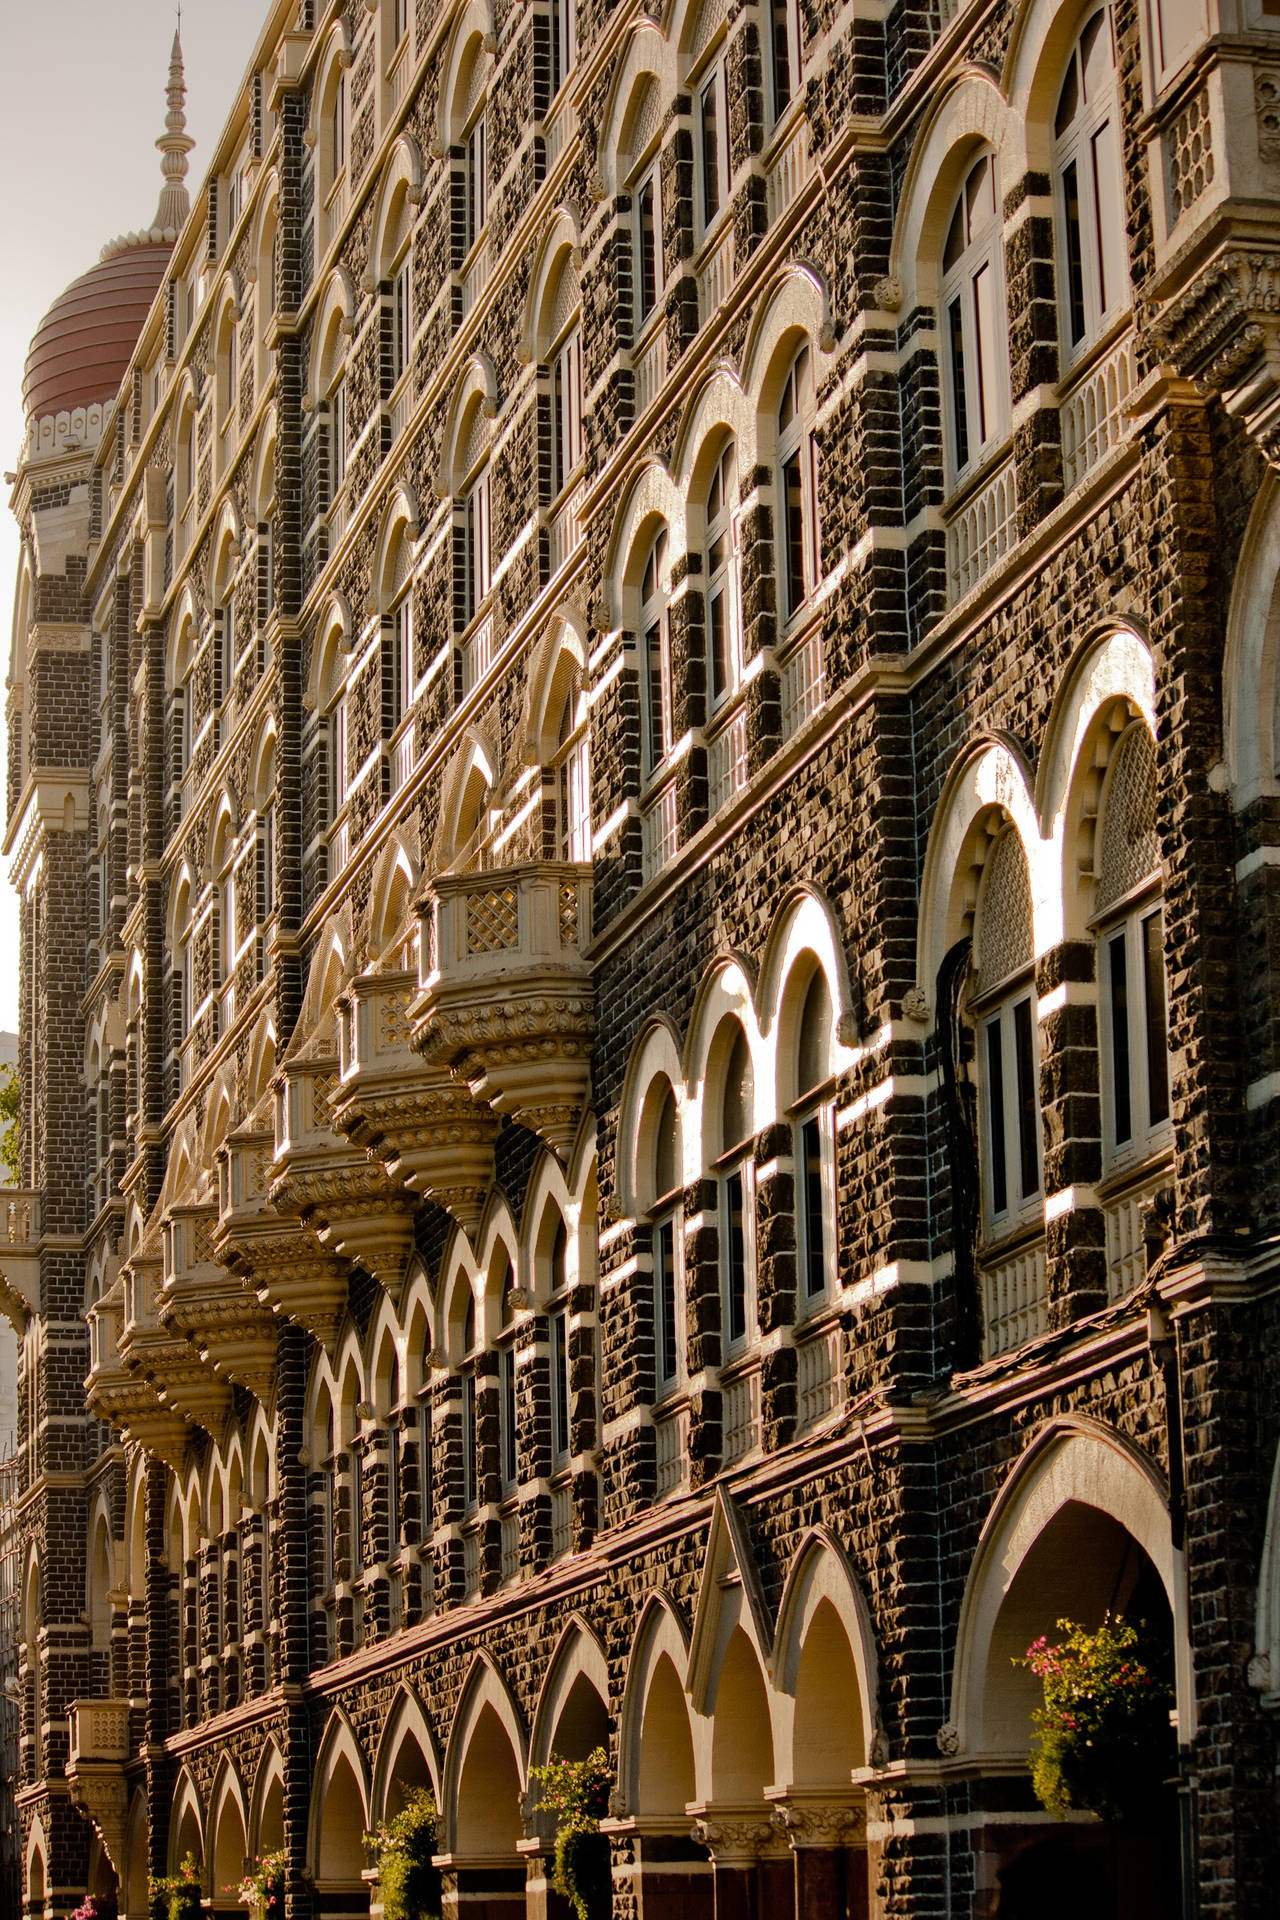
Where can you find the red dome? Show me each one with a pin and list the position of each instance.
(86, 340)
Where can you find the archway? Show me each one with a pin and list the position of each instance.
(1080, 1533)
(490, 1876)
(229, 1848)
(339, 1853)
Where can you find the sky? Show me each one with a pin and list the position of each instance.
(81, 103)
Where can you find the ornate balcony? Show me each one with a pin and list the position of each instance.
(275, 1255)
(151, 1352)
(19, 1254)
(124, 1399)
(218, 1313)
(508, 1002)
(418, 1119)
(342, 1193)
(99, 1747)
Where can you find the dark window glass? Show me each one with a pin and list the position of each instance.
(995, 1109)
(647, 228)
(560, 1383)
(955, 335)
(1028, 1104)
(469, 1439)
(736, 1250)
(793, 532)
(708, 113)
(815, 1249)
(664, 1276)
(1121, 1089)
(1075, 256)
(1157, 1018)
(508, 1382)
(780, 40)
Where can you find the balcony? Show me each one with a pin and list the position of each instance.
(99, 1746)
(126, 1400)
(273, 1252)
(216, 1312)
(181, 1382)
(1015, 1297)
(420, 1121)
(340, 1192)
(509, 1003)
(20, 1227)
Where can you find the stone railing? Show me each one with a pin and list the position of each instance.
(98, 1730)
(650, 364)
(1092, 414)
(715, 276)
(671, 1449)
(818, 1373)
(1015, 1298)
(727, 762)
(564, 530)
(788, 169)
(1124, 1213)
(803, 682)
(561, 1520)
(740, 1404)
(658, 831)
(980, 532)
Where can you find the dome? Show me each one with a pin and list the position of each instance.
(85, 341)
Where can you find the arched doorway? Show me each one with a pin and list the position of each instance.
(486, 1867)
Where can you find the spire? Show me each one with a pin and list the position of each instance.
(175, 144)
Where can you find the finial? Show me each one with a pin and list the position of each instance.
(175, 144)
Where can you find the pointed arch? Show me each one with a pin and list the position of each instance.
(487, 1718)
(564, 647)
(334, 327)
(399, 195)
(393, 561)
(719, 407)
(468, 426)
(470, 781)
(653, 500)
(187, 1825)
(657, 1765)
(407, 1722)
(577, 1669)
(335, 1841)
(644, 80)
(823, 1622)
(228, 1833)
(655, 1059)
(467, 67)
(1251, 656)
(1076, 1463)
(266, 1807)
(795, 309)
(558, 251)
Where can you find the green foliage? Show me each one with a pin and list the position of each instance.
(180, 1891)
(576, 1794)
(262, 1888)
(402, 1848)
(1105, 1742)
(10, 1158)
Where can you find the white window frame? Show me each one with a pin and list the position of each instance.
(1008, 1201)
(647, 248)
(566, 409)
(476, 543)
(973, 326)
(571, 770)
(722, 578)
(657, 716)
(475, 179)
(798, 451)
(782, 30)
(1139, 1027)
(711, 144)
(1089, 231)
(563, 41)
(401, 316)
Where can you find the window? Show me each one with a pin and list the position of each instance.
(656, 652)
(813, 1144)
(720, 559)
(571, 769)
(566, 409)
(558, 1325)
(336, 129)
(1008, 1064)
(797, 487)
(647, 241)
(713, 144)
(475, 181)
(401, 317)
(469, 1438)
(1093, 272)
(337, 441)
(397, 664)
(564, 41)
(737, 1198)
(508, 1433)
(474, 549)
(399, 21)
(784, 53)
(668, 1290)
(1132, 1016)
(975, 363)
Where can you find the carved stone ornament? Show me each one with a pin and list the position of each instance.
(737, 1839)
(98, 1788)
(915, 1006)
(1258, 1673)
(888, 293)
(1222, 332)
(820, 1823)
(948, 1738)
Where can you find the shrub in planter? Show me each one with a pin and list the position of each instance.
(1105, 1745)
(262, 1889)
(96, 1906)
(180, 1891)
(576, 1794)
(402, 1847)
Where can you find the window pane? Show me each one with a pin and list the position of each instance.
(1075, 260)
(646, 247)
(710, 146)
(1108, 208)
(1121, 1096)
(469, 1440)
(959, 409)
(793, 533)
(984, 335)
(1157, 1037)
(735, 1269)
(508, 1365)
(559, 1384)
(718, 619)
(813, 1218)
(995, 1112)
(780, 41)
(664, 1276)
(1028, 1101)
(655, 743)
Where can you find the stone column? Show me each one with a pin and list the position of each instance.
(666, 1873)
(828, 1841)
(746, 1851)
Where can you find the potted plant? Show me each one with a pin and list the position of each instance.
(180, 1891)
(401, 1848)
(262, 1888)
(576, 1795)
(1104, 1740)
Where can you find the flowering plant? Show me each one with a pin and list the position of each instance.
(95, 1907)
(1105, 1742)
(263, 1886)
(180, 1891)
(576, 1793)
(402, 1848)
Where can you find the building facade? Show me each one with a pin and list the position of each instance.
(644, 780)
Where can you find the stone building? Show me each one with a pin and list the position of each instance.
(644, 779)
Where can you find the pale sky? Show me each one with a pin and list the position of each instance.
(81, 104)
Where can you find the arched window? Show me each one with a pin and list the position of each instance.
(655, 647)
(472, 550)
(711, 130)
(469, 138)
(720, 565)
(185, 440)
(813, 1127)
(973, 321)
(736, 1177)
(1129, 924)
(397, 642)
(1004, 1010)
(325, 766)
(566, 402)
(665, 1179)
(640, 165)
(784, 53)
(1088, 183)
(797, 486)
(223, 905)
(571, 771)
